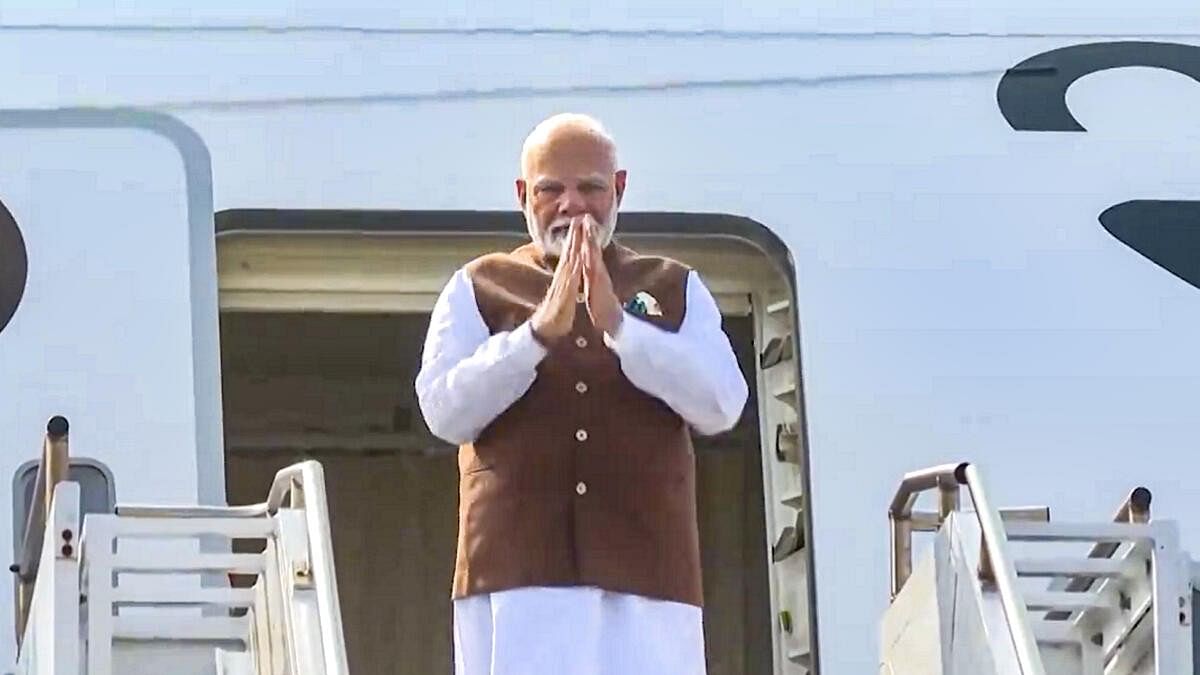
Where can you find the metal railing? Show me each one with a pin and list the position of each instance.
(995, 565)
(52, 470)
(302, 485)
(1135, 509)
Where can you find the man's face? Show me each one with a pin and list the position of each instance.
(568, 176)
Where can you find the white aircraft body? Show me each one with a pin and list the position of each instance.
(971, 229)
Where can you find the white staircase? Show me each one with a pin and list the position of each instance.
(1012, 592)
(147, 590)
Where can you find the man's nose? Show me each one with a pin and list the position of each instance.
(571, 204)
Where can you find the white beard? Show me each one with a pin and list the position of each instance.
(551, 241)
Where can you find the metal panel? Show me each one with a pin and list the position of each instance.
(97, 492)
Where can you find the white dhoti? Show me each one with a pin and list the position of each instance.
(576, 631)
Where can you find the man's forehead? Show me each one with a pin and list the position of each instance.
(544, 178)
(570, 155)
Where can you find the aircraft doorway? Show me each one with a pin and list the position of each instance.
(319, 354)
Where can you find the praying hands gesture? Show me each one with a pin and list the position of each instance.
(581, 263)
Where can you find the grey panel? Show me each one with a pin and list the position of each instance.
(1195, 633)
(97, 492)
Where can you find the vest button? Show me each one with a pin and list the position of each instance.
(581, 487)
(579, 297)
(581, 342)
(581, 387)
(581, 435)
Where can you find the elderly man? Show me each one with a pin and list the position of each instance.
(569, 371)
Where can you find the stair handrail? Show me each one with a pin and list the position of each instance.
(994, 560)
(1135, 509)
(302, 485)
(52, 470)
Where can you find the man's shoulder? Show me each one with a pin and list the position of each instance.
(499, 262)
(645, 262)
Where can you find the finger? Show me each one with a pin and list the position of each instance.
(574, 250)
(580, 236)
(592, 239)
(579, 252)
(569, 284)
(572, 241)
(564, 271)
(581, 249)
(587, 270)
(564, 257)
(581, 278)
(595, 262)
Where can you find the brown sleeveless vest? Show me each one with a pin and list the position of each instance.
(586, 480)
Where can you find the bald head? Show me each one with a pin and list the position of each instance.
(569, 171)
(563, 130)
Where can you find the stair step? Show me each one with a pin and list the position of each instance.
(158, 627)
(234, 663)
(1077, 532)
(169, 597)
(152, 528)
(1033, 514)
(241, 563)
(1040, 601)
(1070, 567)
(1055, 633)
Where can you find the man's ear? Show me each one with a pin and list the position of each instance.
(521, 193)
(619, 181)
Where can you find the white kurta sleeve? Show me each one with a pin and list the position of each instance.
(468, 376)
(694, 371)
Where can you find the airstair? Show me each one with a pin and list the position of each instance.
(1008, 591)
(159, 589)
(251, 590)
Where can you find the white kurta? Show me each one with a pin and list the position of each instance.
(469, 377)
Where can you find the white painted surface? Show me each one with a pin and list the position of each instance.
(913, 636)
(104, 334)
(997, 16)
(292, 620)
(957, 297)
(155, 658)
(51, 644)
(945, 605)
(981, 641)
